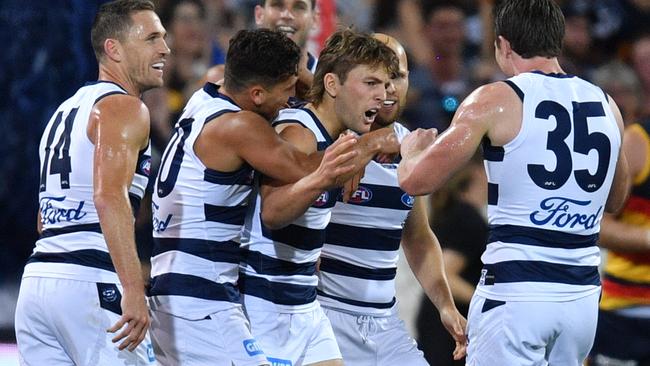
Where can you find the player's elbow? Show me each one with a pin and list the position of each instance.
(272, 219)
(615, 204)
(411, 185)
(105, 201)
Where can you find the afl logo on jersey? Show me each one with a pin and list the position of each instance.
(408, 200)
(361, 195)
(322, 199)
(145, 166)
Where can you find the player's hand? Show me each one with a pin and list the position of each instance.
(455, 324)
(337, 165)
(416, 141)
(389, 144)
(351, 185)
(135, 315)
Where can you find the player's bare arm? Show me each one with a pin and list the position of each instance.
(621, 185)
(119, 128)
(424, 169)
(423, 253)
(283, 203)
(246, 137)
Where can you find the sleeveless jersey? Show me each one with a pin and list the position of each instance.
(626, 279)
(547, 190)
(279, 266)
(72, 245)
(198, 214)
(359, 258)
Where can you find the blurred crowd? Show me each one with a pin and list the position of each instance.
(47, 56)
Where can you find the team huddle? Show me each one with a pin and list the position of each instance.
(278, 216)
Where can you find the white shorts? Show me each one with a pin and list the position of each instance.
(531, 333)
(368, 340)
(64, 322)
(222, 339)
(295, 339)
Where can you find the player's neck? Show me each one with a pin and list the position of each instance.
(327, 116)
(119, 78)
(543, 64)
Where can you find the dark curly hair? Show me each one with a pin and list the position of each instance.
(259, 56)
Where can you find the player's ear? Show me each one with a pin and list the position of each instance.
(259, 15)
(332, 84)
(113, 49)
(504, 46)
(258, 95)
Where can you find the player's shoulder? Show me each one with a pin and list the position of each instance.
(122, 107)
(488, 99)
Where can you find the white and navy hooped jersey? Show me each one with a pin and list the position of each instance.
(547, 190)
(279, 266)
(198, 214)
(72, 245)
(359, 258)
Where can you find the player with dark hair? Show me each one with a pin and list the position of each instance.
(84, 281)
(552, 143)
(201, 197)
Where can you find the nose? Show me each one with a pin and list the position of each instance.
(390, 88)
(380, 96)
(286, 13)
(165, 48)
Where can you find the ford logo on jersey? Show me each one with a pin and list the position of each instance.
(562, 212)
(52, 215)
(159, 225)
(252, 348)
(408, 200)
(322, 199)
(361, 195)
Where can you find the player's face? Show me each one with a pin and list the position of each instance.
(395, 101)
(276, 97)
(361, 96)
(145, 50)
(295, 18)
(188, 27)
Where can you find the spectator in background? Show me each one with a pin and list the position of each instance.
(619, 81)
(438, 87)
(641, 64)
(403, 20)
(459, 221)
(579, 57)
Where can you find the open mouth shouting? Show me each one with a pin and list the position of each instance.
(370, 115)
